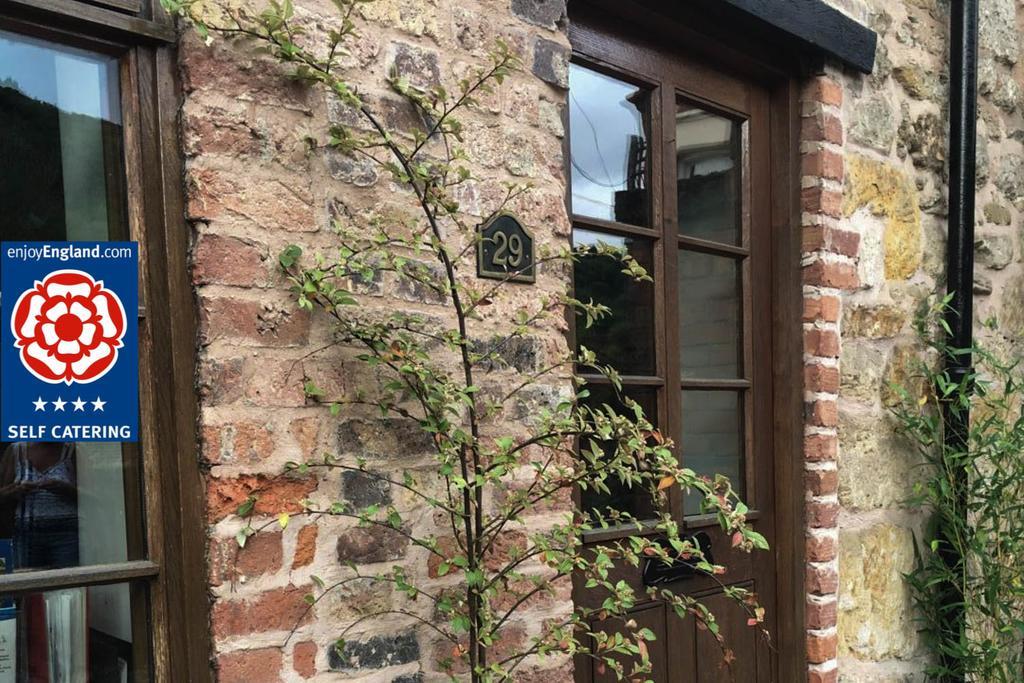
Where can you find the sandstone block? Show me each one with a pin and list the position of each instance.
(875, 619)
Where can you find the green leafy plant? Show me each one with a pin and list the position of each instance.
(968, 579)
(483, 482)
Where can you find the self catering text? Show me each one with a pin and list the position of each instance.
(68, 432)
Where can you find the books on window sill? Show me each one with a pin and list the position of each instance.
(53, 637)
(66, 631)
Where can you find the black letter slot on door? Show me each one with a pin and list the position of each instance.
(657, 571)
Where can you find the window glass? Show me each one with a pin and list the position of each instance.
(710, 316)
(624, 338)
(622, 497)
(713, 439)
(61, 157)
(65, 504)
(709, 175)
(62, 178)
(72, 634)
(608, 120)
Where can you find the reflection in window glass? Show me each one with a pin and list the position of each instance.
(709, 175)
(710, 316)
(69, 504)
(622, 498)
(624, 338)
(608, 121)
(73, 635)
(712, 439)
(61, 154)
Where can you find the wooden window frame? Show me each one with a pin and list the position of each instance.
(175, 570)
(780, 71)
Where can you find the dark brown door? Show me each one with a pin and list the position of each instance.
(671, 158)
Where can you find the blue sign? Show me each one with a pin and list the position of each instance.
(69, 363)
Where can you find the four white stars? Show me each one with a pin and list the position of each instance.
(78, 404)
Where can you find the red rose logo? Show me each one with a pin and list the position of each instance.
(68, 327)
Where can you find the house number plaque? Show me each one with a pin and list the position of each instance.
(505, 250)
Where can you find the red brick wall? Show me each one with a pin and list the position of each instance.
(828, 259)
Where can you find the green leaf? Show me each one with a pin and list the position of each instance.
(246, 508)
(289, 256)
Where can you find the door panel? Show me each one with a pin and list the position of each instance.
(707, 152)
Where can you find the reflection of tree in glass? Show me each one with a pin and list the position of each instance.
(623, 338)
(632, 499)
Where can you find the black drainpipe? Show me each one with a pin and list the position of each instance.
(963, 108)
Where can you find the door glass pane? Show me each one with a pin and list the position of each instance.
(64, 504)
(74, 634)
(623, 339)
(709, 165)
(621, 496)
(608, 133)
(713, 439)
(710, 316)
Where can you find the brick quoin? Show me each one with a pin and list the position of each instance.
(830, 676)
(824, 90)
(820, 615)
(822, 482)
(822, 308)
(821, 549)
(830, 256)
(822, 128)
(831, 274)
(822, 515)
(820, 447)
(824, 164)
(831, 240)
(821, 379)
(821, 579)
(821, 649)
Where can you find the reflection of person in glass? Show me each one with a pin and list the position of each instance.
(38, 489)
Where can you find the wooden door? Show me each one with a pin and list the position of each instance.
(671, 158)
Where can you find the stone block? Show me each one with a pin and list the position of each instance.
(419, 66)
(875, 614)
(376, 652)
(861, 370)
(997, 30)
(873, 123)
(997, 213)
(994, 251)
(383, 439)
(370, 544)
(877, 469)
(1009, 178)
(546, 13)
(886, 191)
(362, 489)
(874, 321)
(551, 62)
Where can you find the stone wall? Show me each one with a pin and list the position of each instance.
(253, 189)
(891, 211)
(873, 155)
